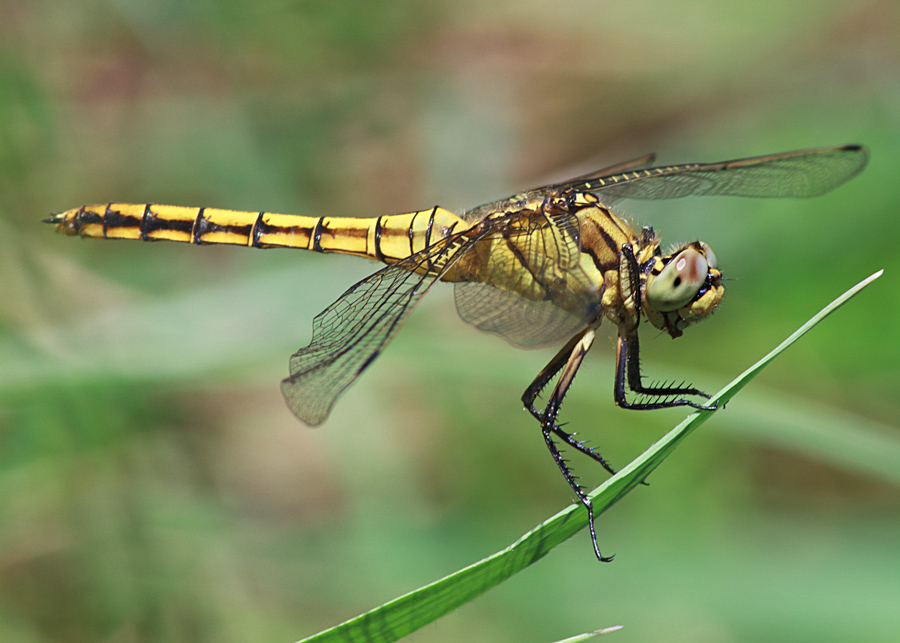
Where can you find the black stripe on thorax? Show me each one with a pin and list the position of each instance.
(610, 244)
(595, 259)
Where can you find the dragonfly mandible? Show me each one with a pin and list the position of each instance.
(543, 266)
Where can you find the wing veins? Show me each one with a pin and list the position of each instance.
(352, 332)
(802, 173)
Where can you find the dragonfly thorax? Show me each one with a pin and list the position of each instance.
(681, 288)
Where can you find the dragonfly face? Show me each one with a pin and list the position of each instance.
(681, 288)
(546, 265)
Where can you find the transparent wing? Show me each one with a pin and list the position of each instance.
(352, 332)
(518, 202)
(625, 166)
(792, 174)
(522, 322)
(530, 288)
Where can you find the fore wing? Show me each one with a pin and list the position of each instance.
(803, 173)
(638, 163)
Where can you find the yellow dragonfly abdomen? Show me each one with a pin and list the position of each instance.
(387, 238)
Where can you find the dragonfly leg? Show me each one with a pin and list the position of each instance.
(571, 357)
(566, 363)
(547, 374)
(628, 369)
(628, 357)
(573, 482)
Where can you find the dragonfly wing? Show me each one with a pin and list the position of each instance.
(352, 332)
(625, 166)
(522, 322)
(793, 174)
(565, 229)
(532, 290)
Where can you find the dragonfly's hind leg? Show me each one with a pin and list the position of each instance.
(573, 482)
(570, 356)
(567, 361)
(549, 371)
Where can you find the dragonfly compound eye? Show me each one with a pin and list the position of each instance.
(679, 282)
(710, 255)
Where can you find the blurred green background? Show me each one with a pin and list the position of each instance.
(153, 486)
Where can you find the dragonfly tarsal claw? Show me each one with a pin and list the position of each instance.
(600, 557)
(705, 407)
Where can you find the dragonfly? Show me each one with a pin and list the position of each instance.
(542, 267)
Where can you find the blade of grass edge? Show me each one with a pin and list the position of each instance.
(405, 614)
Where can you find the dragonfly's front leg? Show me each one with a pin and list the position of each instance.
(628, 369)
(628, 357)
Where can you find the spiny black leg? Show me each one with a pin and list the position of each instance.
(568, 360)
(582, 496)
(581, 447)
(629, 261)
(546, 374)
(635, 379)
(570, 356)
(628, 357)
(628, 365)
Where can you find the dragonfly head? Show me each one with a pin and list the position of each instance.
(682, 287)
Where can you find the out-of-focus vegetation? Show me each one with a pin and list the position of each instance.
(154, 487)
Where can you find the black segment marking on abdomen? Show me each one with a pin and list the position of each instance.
(409, 233)
(152, 223)
(317, 235)
(256, 230)
(147, 214)
(199, 228)
(115, 219)
(430, 227)
(378, 253)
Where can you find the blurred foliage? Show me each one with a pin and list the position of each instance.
(154, 487)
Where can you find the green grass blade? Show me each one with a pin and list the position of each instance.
(590, 635)
(409, 612)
